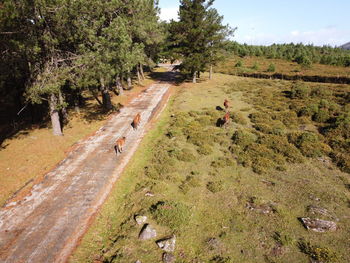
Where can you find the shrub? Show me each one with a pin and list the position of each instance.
(320, 254)
(239, 118)
(260, 117)
(215, 186)
(205, 149)
(321, 92)
(271, 68)
(280, 145)
(185, 155)
(222, 162)
(342, 160)
(189, 183)
(275, 127)
(255, 66)
(170, 213)
(239, 64)
(321, 116)
(309, 144)
(243, 138)
(299, 90)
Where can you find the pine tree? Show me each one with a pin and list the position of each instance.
(198, 35)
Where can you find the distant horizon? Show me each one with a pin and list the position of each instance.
(318, 23)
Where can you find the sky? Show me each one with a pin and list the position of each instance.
(264, 22)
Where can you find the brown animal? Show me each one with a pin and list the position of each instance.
(119, 145)
(226, 104)
(226, 119)
(136, 121)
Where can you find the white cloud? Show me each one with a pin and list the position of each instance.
(168, 13)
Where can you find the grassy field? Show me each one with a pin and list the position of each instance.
(234, 194)
(261, 65)
(31, 153)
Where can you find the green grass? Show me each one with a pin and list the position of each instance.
(244, 187)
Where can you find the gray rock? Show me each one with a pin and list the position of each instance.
(168, 258)
(150, 194)
(140, 219)
(319, 225)
(147, 232)
(167, 244)
(138, 261)
(316, 210)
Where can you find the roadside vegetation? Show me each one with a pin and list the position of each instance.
(234, 194)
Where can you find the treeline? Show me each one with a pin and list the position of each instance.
(302, 54)
(53, 50)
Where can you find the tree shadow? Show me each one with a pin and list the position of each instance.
(174, 77)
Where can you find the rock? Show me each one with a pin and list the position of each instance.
(168, 258)
(316, 210)
(149, 194)
(138, 261)
(167, 244)
(262, 209)
(319, 225)
(147, 232)
(140, 219)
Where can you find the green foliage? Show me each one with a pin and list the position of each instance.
(197, 38)
(205, 149)
(239, 64)
(171, 214)
(239, 118)
(255, 66)
(185, 155)
(321, 116)
(305, 55)
(320, 254)
(271, 68)
(299, 90)
(215, 186)
(222, 162)
(243, 138)
(308, 143)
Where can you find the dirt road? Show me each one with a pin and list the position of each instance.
(46, 224)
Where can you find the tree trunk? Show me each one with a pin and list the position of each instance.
(194, 80)
(139, 81)
(211, 72)
(119, 85)
(64, 113)
(141, 71)
(198, 74)
(129, 81)
(106, 98)
(55, 117)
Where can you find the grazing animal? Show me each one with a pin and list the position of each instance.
(226, 119)
(226, 104)
(119, 145)
(136, 121)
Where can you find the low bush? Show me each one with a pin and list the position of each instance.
(215, 186)
(239, 118)
(222, 162)
(321, 116)
(205, 149)
(321, 92)
(299, 90)
(243, 138)
(171, 214)
(320, 254)
(271, 68)
(185, 155)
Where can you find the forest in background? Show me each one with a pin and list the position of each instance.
(54, 51)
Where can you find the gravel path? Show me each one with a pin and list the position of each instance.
(46, 225)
